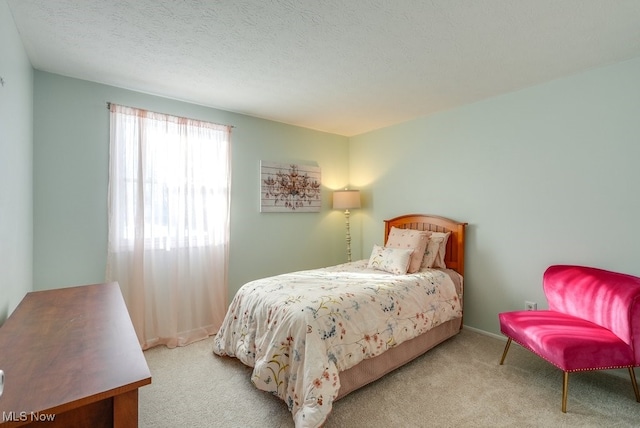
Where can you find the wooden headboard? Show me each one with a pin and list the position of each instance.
(454, 257)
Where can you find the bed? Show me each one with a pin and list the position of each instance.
(314, 336)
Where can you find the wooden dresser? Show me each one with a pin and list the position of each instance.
(71, 357)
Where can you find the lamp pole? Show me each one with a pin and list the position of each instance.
(346, 200)
(346, 218)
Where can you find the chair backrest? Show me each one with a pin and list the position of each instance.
(606, 298)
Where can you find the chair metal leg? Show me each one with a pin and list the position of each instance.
(565, 380)
(632, 374)
(506, 349)
(565, 387)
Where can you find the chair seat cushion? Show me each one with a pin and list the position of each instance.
(570, 343)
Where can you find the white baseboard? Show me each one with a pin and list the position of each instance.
(486, 333)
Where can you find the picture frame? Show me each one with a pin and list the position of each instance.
(289, 187)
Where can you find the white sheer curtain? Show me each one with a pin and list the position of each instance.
(169, 193)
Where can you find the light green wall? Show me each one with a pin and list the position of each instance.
(16, 146)
(543, 176)
(71, 140)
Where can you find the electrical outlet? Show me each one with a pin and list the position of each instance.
(530, 306)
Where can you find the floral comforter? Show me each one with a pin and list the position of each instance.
(299, 330)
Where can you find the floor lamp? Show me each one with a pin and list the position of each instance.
(346, 200)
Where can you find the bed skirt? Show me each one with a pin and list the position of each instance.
(372, 369)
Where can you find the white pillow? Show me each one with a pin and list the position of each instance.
(392, 260)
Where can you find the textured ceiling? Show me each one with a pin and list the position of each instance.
(341, 66)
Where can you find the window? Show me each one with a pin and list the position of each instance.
(168, 245)
(173, 175)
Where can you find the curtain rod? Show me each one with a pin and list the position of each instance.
(109, 108)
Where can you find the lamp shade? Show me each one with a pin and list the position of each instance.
(346, 199)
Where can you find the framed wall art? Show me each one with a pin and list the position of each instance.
(287, 187)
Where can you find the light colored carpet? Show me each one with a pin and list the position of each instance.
(458, 384)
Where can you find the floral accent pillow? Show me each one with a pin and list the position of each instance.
(431, 253)
(415, 240)
(392, 260)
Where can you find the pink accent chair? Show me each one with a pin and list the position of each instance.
(593, 323)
